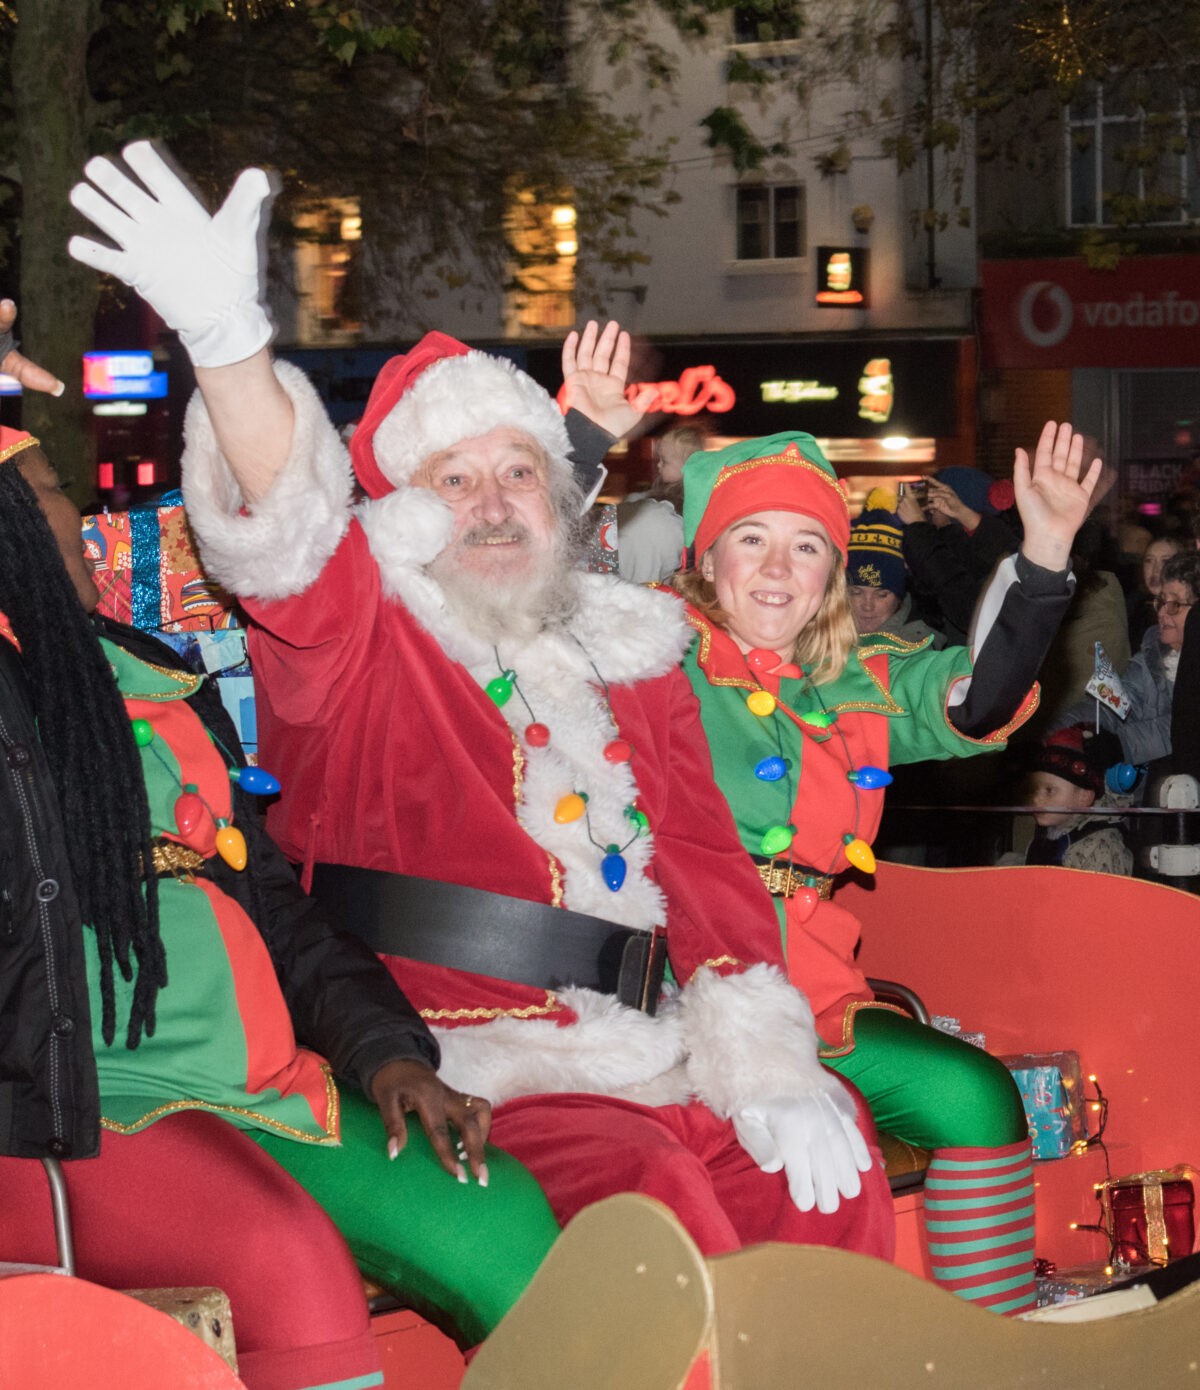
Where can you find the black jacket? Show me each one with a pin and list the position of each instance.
(343, 1002)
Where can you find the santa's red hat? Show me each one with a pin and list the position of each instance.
(442, 392)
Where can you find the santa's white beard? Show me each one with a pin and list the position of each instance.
(513, 606)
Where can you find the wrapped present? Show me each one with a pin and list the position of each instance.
(1149, 1217)
(1051, 1086)
(145, 565)
(1078, 1282)
(223, 655)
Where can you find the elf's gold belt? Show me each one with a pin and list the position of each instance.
(785, 880)
(170, 858)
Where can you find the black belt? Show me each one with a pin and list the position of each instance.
(486, 933)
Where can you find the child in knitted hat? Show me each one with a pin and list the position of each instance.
(1067, 781)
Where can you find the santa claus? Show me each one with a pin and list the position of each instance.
(492, 762)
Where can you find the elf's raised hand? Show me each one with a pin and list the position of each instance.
(198, 273)
(1054, 494)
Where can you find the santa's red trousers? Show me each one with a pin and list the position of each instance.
(583, 1148)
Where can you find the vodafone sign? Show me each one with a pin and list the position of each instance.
(1059, 313)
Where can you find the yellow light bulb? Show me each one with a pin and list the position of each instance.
(569, 808)
(761, 702)
(231, 846)
(859, 853)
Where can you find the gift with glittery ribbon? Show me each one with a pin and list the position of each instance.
(145, 565)
(1149, 1216)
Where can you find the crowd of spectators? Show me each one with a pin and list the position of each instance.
(919, 560)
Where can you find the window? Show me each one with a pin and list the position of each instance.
(328, 250)
(770, 222)
(540, 296)
(769, 21)
(1133, 152)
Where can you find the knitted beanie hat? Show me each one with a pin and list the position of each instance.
(875, 558)
(1078, 755)
(971, 484)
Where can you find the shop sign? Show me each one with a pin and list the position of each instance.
(698, 388)
(794, 391)
(841, 277)
(1061, 313)
(122, 376)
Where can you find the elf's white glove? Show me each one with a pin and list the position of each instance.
(198, 273)
(814, 1138)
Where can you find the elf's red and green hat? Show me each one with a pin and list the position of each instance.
(781, 473)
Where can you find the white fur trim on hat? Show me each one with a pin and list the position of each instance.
(461, 398)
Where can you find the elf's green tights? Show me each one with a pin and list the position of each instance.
(938, 1093)
(459, 1254)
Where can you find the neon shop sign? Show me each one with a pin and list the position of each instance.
(698, 388)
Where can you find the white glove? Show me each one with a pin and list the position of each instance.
(198, 273)
(815, 1138)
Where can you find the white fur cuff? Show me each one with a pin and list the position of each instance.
(612, 1051)
(749, 1037)
(280, 547)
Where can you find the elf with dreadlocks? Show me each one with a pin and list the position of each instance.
(167, 1015)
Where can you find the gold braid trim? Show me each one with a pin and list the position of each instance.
(187, 682)
(169, 857)
(889, 706)
(18, 447)
(1024, 711)
(791, 458)
(332, 1107)
(712, 964)
(529, 1011)
(846, 1046)
(556, 882)
(556, 877)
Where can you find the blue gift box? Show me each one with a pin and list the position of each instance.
(1051, 1086)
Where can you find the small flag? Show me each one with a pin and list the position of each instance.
(1106, 685)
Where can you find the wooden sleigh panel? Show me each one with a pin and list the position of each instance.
(625, 1301)
(1047, 960)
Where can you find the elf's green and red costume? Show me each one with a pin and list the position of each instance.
(894, 702)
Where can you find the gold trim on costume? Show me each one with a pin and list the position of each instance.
(529, 1011)
(276, 1126)
(556, 875)
(183, 678)
(847, 1044)
(556, 881)
(887, 644)
(1026, 710)
(518, 771)
(168, 857)
(703, 627)
(19, 447)
(861, 706)
(785, 880)
(791, 458)
(714, 963)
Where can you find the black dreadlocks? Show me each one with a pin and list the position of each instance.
(90, 749)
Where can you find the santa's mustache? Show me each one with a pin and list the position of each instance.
(488, 534)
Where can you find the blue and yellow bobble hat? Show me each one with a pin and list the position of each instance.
(782, 472)
(875, 559)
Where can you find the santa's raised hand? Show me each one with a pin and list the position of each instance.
(198, 272)
(1054, 494)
